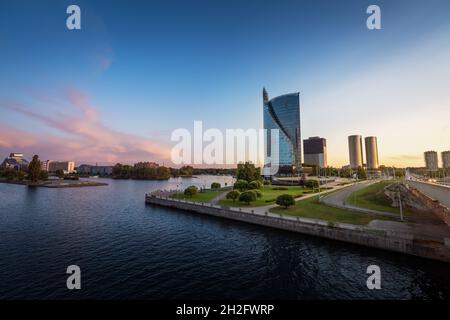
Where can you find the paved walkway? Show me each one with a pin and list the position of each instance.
(219, 197)
(264, 209)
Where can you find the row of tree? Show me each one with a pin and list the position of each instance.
(121, 171)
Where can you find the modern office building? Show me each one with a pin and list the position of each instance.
(431, 160)
(283, 113)
(65, 166)
(315, 151)
(371, 153)
(355, 151)
(445, 159)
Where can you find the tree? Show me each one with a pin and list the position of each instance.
(255, 184)
(43, 175)
(241, 185)
(247, 196)
(361, 173)
(190, 191)
(162, 173)
(248, 172)
(34, 169)
(233, 195)
(285, 200)
(59, 173)
(215, 185)
(186, 171)
(20, 175)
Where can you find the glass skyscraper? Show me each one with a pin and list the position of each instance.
(283, 113)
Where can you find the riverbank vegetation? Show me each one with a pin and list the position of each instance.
(121, 171)
(313, 209)
(268, 196)
(373, 197)
(205, 195)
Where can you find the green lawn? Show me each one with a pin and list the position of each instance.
(199, 197)
(372, 197)
(311, 208)
(269, 196)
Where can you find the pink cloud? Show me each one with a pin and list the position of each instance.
(86, 139)
(104, 63)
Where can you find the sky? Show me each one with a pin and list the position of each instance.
(115, 90)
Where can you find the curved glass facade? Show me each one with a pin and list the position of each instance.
(283, 113)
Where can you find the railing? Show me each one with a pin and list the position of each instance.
(266, 214)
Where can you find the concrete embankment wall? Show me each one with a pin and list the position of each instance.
(360, 235)
(435, 198)
(434, 191)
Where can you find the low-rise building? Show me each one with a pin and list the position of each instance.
(45, 164)
(65, 166)
(94, 170)
(15, 161)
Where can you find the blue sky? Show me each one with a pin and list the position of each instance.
(145, 68)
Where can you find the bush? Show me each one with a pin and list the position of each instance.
(233, 195)
(312, 184)
(247, 196)
(241, 185)
(59, 173)
(285, 200)
(255, 184)
(267, 182)
(190, 191)
(43, 175)
(215, 185)
(258, 193)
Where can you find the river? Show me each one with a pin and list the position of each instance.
(129, 250)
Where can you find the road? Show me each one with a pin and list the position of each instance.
(339, 199)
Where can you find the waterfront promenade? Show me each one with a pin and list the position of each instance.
(437, 248)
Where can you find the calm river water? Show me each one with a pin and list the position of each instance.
(128, 250)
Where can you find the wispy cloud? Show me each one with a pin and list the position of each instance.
(104, 63)
(84, 137)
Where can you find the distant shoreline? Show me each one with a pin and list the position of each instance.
(56, 183)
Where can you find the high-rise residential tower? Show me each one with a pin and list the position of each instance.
(355, 151)
(445, 159)
(315, 151)
(283, 113)
(431, 160)
(371, 153)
